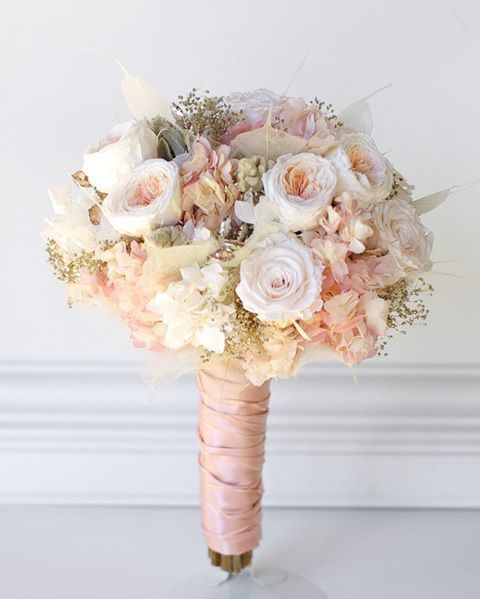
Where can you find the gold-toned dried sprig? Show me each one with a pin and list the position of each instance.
(202, 114)
(397, 181)
(81, 179)
(245, 329)
(400, 187)
(327, 109)
(66, 270)
(246, 333)
(407, 307)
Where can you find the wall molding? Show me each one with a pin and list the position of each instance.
(401, 435)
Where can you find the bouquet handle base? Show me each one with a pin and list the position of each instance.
(255, 583)
(233, 564)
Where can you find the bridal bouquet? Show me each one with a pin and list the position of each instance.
(242, 236)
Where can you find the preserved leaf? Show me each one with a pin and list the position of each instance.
(143, 101)
(358, 116)
(163, 264)
(267, 142)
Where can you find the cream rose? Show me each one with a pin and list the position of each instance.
(398, 229)
(302, 187)
(125, 147)
(280, 280)
(148, 197)
(361, 170)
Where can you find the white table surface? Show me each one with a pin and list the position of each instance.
(145, 553)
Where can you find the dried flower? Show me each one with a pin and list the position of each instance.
(68, 269)
(250, 173)
(202, 114)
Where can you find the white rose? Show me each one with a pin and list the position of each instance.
(125, 147)
(302, 187)
(361, 170)
(398, 229)
(148, 197)
(255, 105)
(280, 280)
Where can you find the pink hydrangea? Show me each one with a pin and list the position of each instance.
(350, 324)
(208, 192)
(124, 275)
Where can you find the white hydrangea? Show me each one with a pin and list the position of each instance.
(193, 311)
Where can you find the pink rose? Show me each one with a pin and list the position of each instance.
(208, 193)
(255, 106)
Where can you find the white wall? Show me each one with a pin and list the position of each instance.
(57, 97)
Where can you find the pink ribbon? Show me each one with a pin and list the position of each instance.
(231, 431)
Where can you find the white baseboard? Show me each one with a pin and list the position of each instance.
(403, 436)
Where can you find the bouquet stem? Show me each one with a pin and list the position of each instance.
(230, 563)
(231, 433)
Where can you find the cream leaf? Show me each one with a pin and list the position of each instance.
(358, 116)
(143, 101)
(267, 142)
(163, 264)
(432, 201)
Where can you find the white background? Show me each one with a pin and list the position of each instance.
(75, 430)
(73, 424)
(57, 97)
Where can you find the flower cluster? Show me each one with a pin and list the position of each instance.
(254, 225)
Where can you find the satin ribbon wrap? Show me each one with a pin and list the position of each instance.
(231, 432)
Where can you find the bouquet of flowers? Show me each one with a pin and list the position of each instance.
(241, 237)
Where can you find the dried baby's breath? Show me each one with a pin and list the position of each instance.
(245, 330)
(67, 270)
(407, 307)
(202, 114)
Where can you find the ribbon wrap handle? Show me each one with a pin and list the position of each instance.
(231, 432)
